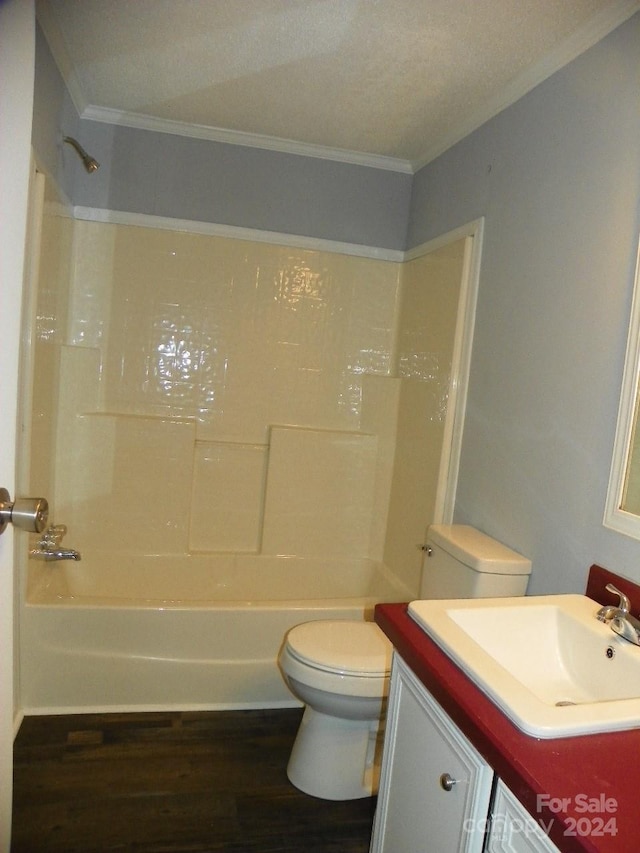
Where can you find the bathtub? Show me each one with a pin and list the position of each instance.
(187, 632)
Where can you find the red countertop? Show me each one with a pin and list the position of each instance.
(584, 790)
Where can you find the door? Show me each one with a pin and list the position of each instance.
(17, 62)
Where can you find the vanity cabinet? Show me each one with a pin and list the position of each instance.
(436, 789)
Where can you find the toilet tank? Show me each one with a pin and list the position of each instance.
(462, 562)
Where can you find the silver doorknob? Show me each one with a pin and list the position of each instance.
(29, 514)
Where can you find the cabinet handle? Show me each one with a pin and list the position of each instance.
(447, 783)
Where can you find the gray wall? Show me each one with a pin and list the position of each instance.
(557, 177)
(175, 176)
(54, 116)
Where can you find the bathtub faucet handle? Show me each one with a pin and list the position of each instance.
(52, 536)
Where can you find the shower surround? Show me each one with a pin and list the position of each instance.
(223, 381)
(248, 409)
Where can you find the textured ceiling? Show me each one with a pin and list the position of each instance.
(399, 78)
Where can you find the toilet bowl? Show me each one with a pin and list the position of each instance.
(340, 671)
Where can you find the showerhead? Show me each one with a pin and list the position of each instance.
(88, 162)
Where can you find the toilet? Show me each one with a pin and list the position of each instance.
(339, 669)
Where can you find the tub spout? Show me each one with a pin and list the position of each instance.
(48, 546)
(55, 554)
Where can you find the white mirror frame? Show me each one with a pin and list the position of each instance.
(614, 516)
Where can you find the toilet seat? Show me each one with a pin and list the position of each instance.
(341, 647)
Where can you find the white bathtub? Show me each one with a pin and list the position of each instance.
(188, 632)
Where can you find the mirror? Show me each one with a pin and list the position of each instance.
(622, 511)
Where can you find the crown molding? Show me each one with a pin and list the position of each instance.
(248, 140)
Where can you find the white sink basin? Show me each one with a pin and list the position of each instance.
(546, 661)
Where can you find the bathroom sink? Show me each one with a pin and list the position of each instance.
(546, 661)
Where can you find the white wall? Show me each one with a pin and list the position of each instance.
(557, 176)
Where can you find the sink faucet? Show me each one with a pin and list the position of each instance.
(610, 611)
(48, 546)
(628, 627)
(619, 618)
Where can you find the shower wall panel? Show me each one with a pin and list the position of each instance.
(49, 330)
(127, 483)
(228, 387)
(426, 338)
(241, 335)
(228, 489)
(320, 493)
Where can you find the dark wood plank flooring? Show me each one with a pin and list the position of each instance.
(172, 783)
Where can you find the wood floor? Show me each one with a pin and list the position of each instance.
(172, 783)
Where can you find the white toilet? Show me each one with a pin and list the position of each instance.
(340, 669)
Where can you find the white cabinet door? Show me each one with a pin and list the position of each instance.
(513, 829)
(434, 786)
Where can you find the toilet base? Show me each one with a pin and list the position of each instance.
(335, 758)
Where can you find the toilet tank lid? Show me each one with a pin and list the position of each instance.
(477, 550)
